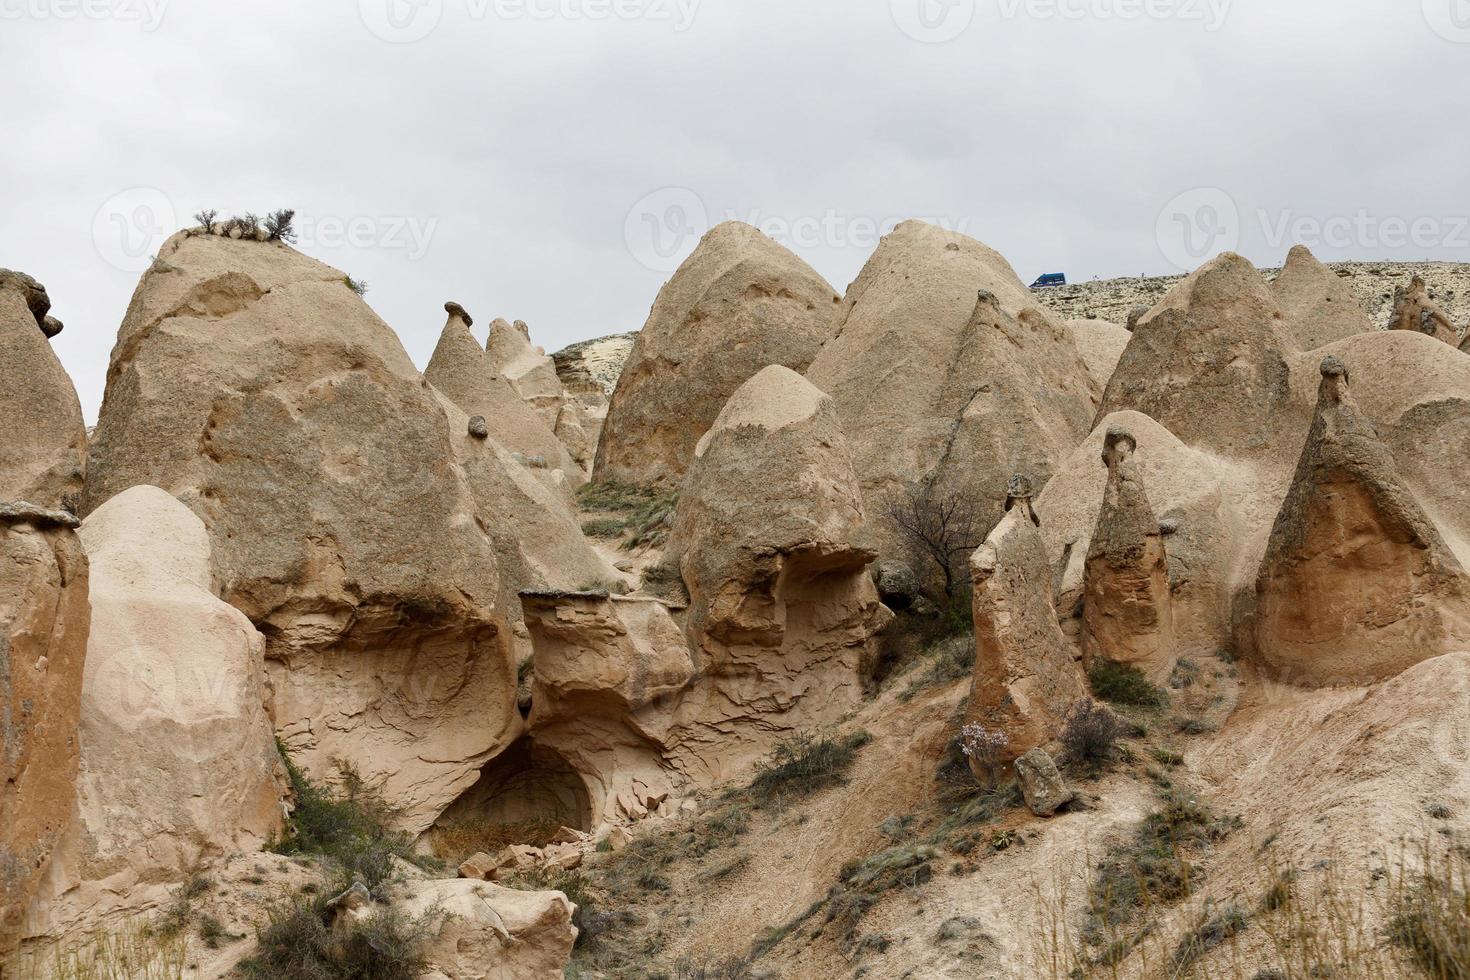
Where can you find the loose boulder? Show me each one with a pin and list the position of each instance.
(178, 762)
(44, 452)
(1358, 583)
(44, 621)
(1320, 306)
(1042, 785)
(937, 385)
(1128, 614)
(740, 302)
(480, 930)
(768, 537)
(250, 382)
(1026, 674)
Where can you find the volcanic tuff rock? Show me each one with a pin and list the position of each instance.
(1414, 310)
(1194, 495)
(465, 374)
(930, 383)
(740, 302)
(1101, 345)
(533, 375)
(44, 620)
(1211, 363)
(1358, 584)
(1319, 304)
(481, 930)
(1026, 674)
(610, 673)
(767, 534)
(250, 382)
(44, 451)
(1128, 614)
(178, 762)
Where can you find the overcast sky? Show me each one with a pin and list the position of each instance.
(552, 160)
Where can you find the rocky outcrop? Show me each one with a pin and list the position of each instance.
(465, 374)
(934, 385)
(1026, 673)
(1320, 306)
(44, 620)
(44, 451)
(589, 373)
(533, 376)
(250, 382)
(1128, 614)
(1413, 309)
(1194, 495)
(178, 760)
(1358, 584)
(480, 930)
(767, 534)
(740, 302)
(1101, 345)
(1042, 785)
(610, 673)
(1211, 363)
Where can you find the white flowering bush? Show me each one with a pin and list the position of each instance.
(984, 747)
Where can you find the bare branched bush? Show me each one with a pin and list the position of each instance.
(1090, 734)
(942, 526)
(206, 219)
(278, 224)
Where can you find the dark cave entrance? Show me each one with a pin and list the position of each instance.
(526, 782)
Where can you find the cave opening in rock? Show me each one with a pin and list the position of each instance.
(527, 782)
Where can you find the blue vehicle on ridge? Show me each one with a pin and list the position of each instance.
(1050, 279)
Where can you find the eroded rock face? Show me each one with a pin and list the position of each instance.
(767, 534)
(1101, 345)
(1414, 310)
(44, 620)
(739, 303)
(44, 451)
(533, 375)
(931, 383)
(178, 761)
(482, 930)
(1211, 363)
(1319, 305)
(610, 675)
(1358, 583)
(465, 374)
(1128, 614)
(1203, 532)
(1026, 673)
(250, 382)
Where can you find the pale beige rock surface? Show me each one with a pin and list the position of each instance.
(1026, 673)
(1319, 304)
(534, 377)
(250, 382)
(1127, 606)
(1357, 585)
(465, 374)
(1101, 345)
(768, 535)
(740, 302)
(44, 620)
(1414, 310)
(931, 383)
(485, 932)
(44, 452)
(178, 758)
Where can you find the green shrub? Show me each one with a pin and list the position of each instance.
(604, 527)
(1208, 934)
(1125, 685)
(351, 832)
(801, 765)
(298, 944)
